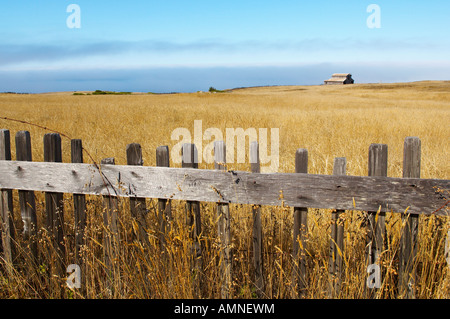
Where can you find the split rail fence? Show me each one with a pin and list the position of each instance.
(375, 194)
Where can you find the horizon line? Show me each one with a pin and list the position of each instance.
(220, 91)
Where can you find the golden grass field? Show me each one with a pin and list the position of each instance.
(329, 121)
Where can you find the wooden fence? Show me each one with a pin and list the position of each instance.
(375, 193)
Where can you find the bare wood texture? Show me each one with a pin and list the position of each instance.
(189, 158)
(110, 220)
(258, 263)
(79, 212)
(110, 234)
(138, 206)
(54, 208)
(223, 226)
(26, 199)
(408, 242)
(300, 230)
(164, 205)
(447, 248)
(54, 205)
(79, 203)
(6, 207)
(337, 237)
(378, 157)
(368, 193)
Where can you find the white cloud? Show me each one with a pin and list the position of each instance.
(215, 52)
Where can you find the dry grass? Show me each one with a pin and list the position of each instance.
(328, 121)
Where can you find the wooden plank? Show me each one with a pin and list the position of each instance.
(79, 204)
(54, 208)
(378, 156)
(447, 249)
(110, 235)
(164, 205)
(223, 227)
(257, 227)
(337, 238)
(366, 193)
(26, 200)
(189, 159)
(408, 241)
(6, 208)
(110, 222)
(300, 230)
(138, 206)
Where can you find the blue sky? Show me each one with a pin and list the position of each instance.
(166, 46)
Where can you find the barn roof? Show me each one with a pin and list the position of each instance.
(341, 74)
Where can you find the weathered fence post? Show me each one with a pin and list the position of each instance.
(193, 222)
(378, 159)
(79, 214)
(110, 234)
(164, 206)
(6, 206)
(138, 206)
(299, 278)
(337, 237)
(223, 226)
(257, 226)
(54, 205)
(408, 241)
(26, 200)
(447, 249)
(79, 204)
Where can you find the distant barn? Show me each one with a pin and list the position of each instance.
(340, 79)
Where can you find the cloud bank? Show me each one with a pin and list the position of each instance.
(16, 54)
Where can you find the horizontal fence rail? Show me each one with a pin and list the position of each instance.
(421, 196)
(376, 194)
